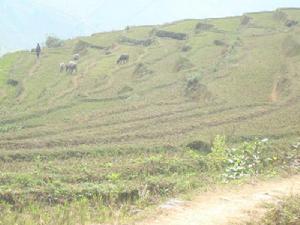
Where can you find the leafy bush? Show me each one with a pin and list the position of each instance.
(53, 42)
(280, 15)
(249, 158)
(194, 89)
(81, 47)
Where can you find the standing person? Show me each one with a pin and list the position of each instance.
(38, 50)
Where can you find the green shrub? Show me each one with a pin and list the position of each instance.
(248, 158)
(81, 47)
(280, 15)
(54, 42)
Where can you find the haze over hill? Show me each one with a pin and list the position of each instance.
(23, 23)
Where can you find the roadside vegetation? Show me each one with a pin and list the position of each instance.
(103, 186)
(286, 212)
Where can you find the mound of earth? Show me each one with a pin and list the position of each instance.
(279, 15)
(200, 146)
(125, 89)
(201, 27)
(141, 70)
(195, 90)
(282, 86)
(182, 64)
(291, 47)
(245, 20)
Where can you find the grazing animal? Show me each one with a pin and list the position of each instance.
(71, 67)
(124, 58)
(62, 67)
(76, 57)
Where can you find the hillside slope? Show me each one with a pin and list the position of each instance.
(238, 76)
(103, 144)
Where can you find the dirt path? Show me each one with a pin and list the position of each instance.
(31, 72)
(224, 207)
(274, 93)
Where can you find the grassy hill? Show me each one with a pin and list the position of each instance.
(113, 128)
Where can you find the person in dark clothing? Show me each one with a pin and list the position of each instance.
(38, 50)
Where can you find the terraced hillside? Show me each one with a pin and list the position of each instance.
(185, 81)
(245, 80)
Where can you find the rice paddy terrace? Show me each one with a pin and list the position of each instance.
(185, 81)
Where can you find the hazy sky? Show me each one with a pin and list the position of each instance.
(115, 14)
(25, 22)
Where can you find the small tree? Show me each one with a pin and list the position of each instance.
(54, 42)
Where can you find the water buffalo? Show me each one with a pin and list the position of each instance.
(76, 57)
(124, 58)
(62, 67)
(71, 67)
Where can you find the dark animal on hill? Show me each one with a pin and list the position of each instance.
(291, 23)
(71, 67)
(124, 58)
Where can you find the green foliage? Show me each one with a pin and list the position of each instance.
(247, 159)
(54, 42)
(219, 152)
(7, 128)
(250, 158)
(81, 47)
(114, 177)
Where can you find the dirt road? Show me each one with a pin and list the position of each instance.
(224, 207)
